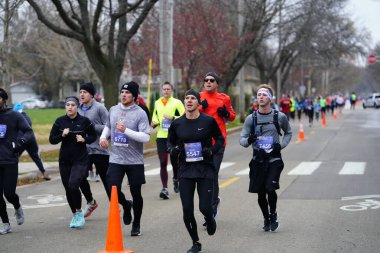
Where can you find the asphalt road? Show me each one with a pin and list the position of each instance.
(329, 201)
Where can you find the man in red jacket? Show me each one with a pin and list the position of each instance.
(217, 105)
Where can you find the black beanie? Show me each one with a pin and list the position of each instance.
(89, 87)
(3, 94)
(195, 94)
(132, 87)
(214, 75)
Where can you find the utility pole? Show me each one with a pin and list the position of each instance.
(166, 41)
(241, 72)
(278, 85)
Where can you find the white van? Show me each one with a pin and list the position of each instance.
(372, 101)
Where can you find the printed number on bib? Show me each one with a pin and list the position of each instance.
(3, 131)
(193, 152)
(265, 143)
(165, 124)
(120, 139)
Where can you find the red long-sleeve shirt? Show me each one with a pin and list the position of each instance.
(216, 100)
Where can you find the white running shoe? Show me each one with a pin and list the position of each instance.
(19, 213)
(5, 228)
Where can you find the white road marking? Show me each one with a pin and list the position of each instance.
(243, 172)
(305, 168)
(353, 168)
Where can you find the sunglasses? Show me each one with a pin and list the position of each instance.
(211, 80)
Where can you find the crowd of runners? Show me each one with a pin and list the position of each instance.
(192, 133)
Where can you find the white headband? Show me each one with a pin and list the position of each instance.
(266, 92)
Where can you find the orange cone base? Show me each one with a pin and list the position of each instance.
(120, 251)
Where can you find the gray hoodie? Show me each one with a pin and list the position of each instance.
(98, 115)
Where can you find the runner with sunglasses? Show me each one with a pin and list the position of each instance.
(218, 106)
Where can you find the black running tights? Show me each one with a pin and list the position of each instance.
(264, 202)
(187, 189)
(8, 181)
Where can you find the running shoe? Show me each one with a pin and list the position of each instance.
(91, 176)
(127, 216)
(197, 247)
(266, 227)
(215, 207)
(273, 222)
(19, 213)
(164, 194)
(175, 185)
(211, 227)
(5, 228)
(90, 208)
(78, 220)
(97, 178)
(46, 176)
(135, 230)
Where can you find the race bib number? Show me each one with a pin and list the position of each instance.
(265, 143)
(120, 139)
(166, 124)
(3, 131)
(193, 152)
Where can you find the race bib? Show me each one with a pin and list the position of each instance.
(166, 124)
(3, 131)
(193, 152)
(120, 139)
(265, 143)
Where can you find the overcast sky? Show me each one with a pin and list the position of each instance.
(366, 13)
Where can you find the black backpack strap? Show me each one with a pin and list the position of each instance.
(254, 120)
(275, 122)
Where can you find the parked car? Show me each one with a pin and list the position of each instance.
(372, 101)
(33, 103)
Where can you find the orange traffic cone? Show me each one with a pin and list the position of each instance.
(334, 116)
(114, 242)
(301, 135)
(324, 119)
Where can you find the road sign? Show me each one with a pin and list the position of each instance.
(372, 59)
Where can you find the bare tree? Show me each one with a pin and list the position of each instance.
(103, 29)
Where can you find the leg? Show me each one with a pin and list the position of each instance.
(85, 186)
(3, 205)
(32, 150)
(163, 169)
(187, 198)
(205, 188)
(101, 163)
(64, 171)
(115, 175)
(138, 203)
(218, 158)
(77, 176)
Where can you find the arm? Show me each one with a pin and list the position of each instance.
(137, 136)
(103, 113)
(245, 132)
(90, 133)
(27, 132)
(180, 109)
(230, 110)
(155, 120)
(217, 136)
(55, 134)
(284, 124)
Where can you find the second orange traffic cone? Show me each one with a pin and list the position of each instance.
(301, 135)
(324, 119)
(114, 242)
(334, 116)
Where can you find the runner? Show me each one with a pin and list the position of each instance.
(190, 138)
(262, 131)
(32, 147)
(74, 131)
(98, 115)
(218, 106)
(166, 109)
(15, 133)
(128, 127)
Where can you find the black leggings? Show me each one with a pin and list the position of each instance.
(217, 159)
(187, 189)
(101, 165)
(263, 202)
(8, 181)
(72, 175)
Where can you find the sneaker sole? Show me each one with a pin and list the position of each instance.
(163, 196)
(136, 234)
(275, 230)
(6, 232)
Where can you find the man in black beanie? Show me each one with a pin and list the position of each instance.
(132, 87)
(89, 87)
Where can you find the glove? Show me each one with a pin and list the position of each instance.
(251, 139)
(222, 112)
(276, 147)
(206, 152)
(175, 151)
(18, 146)
(204, 104)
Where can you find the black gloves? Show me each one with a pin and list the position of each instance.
(206, 152)
(204, 104)
(252, 138)
(18, 146)
(222, 112)
(276, 147)
(175, 151)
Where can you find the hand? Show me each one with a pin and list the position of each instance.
(154, 124)
(18, 146)
(120, 126)
(206, 152)
(175, 151)
(252, 138)
(65, 132)
(204, 104)
(222, 112)
(168, 117)
(103, 143)
(276, 147)
(79, 138)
